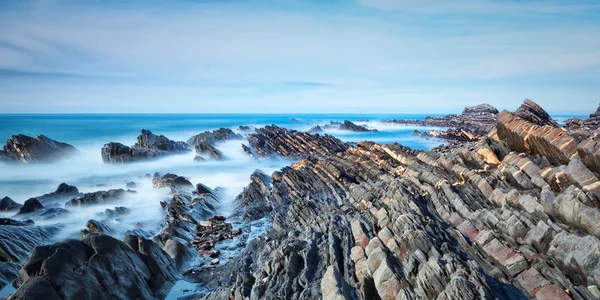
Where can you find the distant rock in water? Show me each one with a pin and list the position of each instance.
(533, 113)
(480, 109)
(593, 121)
(205, 149)
(349, 126)
(7, 205)
(99, 197)
(30, 206)
(97, 267)
(459, 134)
(35, 149)
(315, 129)
(148, 146)
(212, 137)
(204, 143)
(479, 119)
(244, 128)
(63, 192)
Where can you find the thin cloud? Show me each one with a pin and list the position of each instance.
(236, 55)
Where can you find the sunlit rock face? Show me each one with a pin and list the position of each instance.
(35, 149)
(511, 216)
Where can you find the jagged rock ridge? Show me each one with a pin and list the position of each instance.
(148, 146)
(35, 149)
(511, 217)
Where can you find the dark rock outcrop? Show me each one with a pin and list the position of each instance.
(479, 119)
(188, 206)
(593, 121)
(574, 124)
(148, 146)
(17, 242)
(97, 267)
(97, 197)
(273, 141)
(215, 136)
(63, 192)
(204, 149)
(459, 135)
(315, 129)
(30, 206)
(7, 204)
(349, 126)
(533, 113)
(212, 231)
(35, 149)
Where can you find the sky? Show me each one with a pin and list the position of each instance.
(297, 56)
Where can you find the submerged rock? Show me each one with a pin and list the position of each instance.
(97, 267)
(148, 146)
(35, 149)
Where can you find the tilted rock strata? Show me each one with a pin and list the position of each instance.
(535, 114)
(148, 146)
(35, 149)
(383, 221)
(479, 119)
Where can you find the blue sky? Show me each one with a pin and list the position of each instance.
(297, 56)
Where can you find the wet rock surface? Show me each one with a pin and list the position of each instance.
(148, 146)
(510, 217)
(18, 241)
(479, 119)
(97, 267)
(35, 149)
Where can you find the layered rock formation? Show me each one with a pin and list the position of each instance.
(148, 146)
(593, 121)
(17, 242)
(533, 113)
(458, 135)
(204, 143)
(349, 126)
(512, 217)
(215, 136)
(479, 119)
(35, 149)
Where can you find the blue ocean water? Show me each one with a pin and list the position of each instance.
(89, 132)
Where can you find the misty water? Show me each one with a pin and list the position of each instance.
(86, 171)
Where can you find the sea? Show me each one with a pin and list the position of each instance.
(89, 132)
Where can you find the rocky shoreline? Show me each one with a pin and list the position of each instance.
(510, 210)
